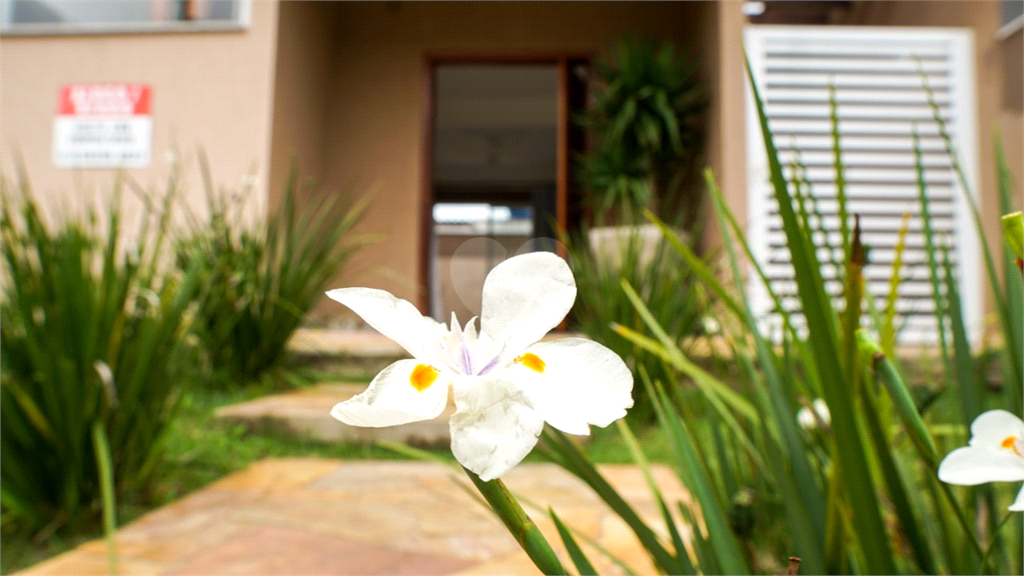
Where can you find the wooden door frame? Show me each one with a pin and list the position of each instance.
(562, 176)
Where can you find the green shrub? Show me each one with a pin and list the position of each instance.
(90, 331)
(258, 284)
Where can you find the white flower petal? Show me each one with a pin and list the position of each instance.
(524, 297)
(822, 409)
(406, 391)
(469, 332)
(573, 383)
(992, 427)
(806, 419)
(393, 317)
(973, 465)
(988, 458)
(494, 427)
(1018, 504)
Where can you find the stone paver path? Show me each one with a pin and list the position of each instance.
(314, 516)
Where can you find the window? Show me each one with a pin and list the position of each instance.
(1013, 18)
(880, 98)
(29, 17)
(1012, 10)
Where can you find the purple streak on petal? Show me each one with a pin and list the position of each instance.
(467, 362)
(493, 362)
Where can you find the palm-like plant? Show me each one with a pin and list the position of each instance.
(646, 119)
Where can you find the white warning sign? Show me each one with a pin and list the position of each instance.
(103, 126)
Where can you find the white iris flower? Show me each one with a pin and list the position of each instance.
(995, 453)
(505, 382)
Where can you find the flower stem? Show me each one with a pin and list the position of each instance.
(995, 538)
(962, 519)
(518, 523)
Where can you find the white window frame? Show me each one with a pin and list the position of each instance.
(963, 88)
(240, 23)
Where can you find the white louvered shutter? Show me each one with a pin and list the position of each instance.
(880, 96)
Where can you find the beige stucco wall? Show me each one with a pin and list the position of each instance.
(209, 89)
(301, 91)
(722, 41)
(374, 121)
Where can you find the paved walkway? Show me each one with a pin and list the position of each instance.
(313, 516)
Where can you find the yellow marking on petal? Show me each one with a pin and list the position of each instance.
(1010, 443)
(423, 376)
(531, 361)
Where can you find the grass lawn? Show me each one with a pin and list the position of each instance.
(200, 450)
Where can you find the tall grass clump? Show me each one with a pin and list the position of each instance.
(91, 335)
(258, 283)
(853, 490)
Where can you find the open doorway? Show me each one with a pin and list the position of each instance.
(495, 167)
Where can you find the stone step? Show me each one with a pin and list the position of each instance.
(348, 353)
(307, 413)
(364, 343)
(361, 348)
